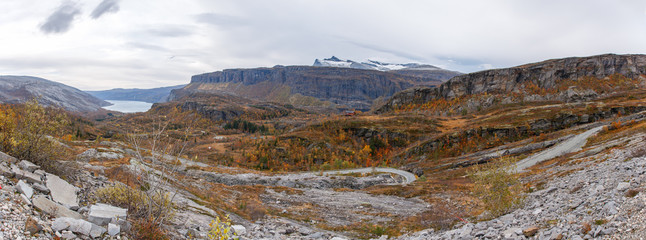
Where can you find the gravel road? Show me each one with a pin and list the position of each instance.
(409, 177)
(571, 145)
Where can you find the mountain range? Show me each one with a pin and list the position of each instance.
(153, 95)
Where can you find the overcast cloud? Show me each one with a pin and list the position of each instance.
(103, 44)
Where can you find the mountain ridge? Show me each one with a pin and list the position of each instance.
(19, 89)
(543, 75)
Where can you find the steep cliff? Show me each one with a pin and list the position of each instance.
(18, 89)
(302, 86)
(546, 77)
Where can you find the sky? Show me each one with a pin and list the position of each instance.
(104, 44)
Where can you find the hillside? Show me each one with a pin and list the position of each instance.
(565, 80)
(153, 95)
(303, 86)
(19, 89)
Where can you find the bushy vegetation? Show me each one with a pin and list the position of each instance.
(147, 210)
(27, 131)
(245, 126)
(497, 186)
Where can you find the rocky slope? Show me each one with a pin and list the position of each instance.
(18, 89)
(303, 86)
(429, 72)
(543, 75)
(153, 95)
(601, 198)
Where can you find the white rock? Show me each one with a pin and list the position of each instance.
(6, 158)
(239, 229)
(102, 214)
(68, 235)
(62, 192)
(96, 231)
(24, 188)
(338, 238)
(55, 209)
(623, 186)
(40, 187)
(28, 166)
(113, 229)
(25, 199)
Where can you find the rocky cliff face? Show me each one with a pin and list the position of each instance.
(545, 75)
(302, 85)
(18, 89)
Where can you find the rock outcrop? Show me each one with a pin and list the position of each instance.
(544, 75)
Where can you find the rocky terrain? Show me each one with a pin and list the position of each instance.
(543, 75)
(600, 197)
(303, 86)
(153, 95)
(19, 89)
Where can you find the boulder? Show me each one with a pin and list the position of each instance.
(96, 231)
(78, 226)
(102, 214)
(48, 206)
(41, 188)
(239, 229)
(28, 166)
(113, 229)
(28, 176)
(6, 158)
(68, 235)
(25, 199)
(62, 192)
(530, 231)
(5, 171)
(24, 188)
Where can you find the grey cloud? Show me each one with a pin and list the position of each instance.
(169, 31)
(219, 19)
(146, 46)
(106, 6)
(61, 20)
(386, 50)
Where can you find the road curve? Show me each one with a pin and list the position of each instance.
(571, 145)
(408, 177)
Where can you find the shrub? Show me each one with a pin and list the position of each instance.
(221, 229)
(25, 132)
(497, 186)
(146, 209)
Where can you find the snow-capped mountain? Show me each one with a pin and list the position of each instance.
(430, 74)
(371, 64)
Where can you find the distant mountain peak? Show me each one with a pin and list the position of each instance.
(372, 65)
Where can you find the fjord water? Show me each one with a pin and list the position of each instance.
(128, 106)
